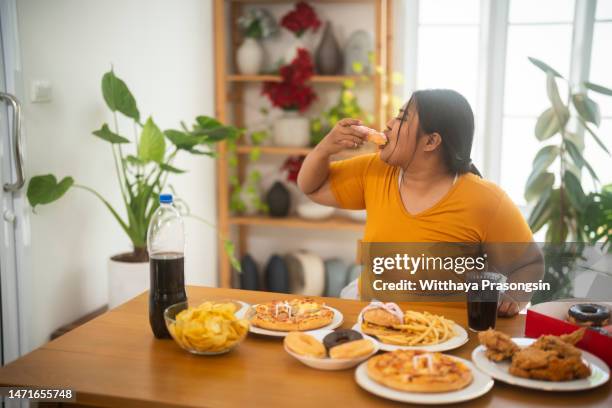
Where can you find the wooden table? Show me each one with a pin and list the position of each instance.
(114, 360)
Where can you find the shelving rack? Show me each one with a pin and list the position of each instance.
(229, 94)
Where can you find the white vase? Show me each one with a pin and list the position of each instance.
(292, 130)
(249, 57)
(292, 51)
(126, 280)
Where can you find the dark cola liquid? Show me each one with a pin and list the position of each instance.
(481, 315)
(167, 288)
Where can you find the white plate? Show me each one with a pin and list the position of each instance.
(336, 322)
(480, 385)
(332, 363)
(460, 338)
(600, 373)
(244, 306)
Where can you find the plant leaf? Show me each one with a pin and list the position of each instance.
(181, 139)
(575, 193)
(229, 248)
(541, 213)
(152, 143)
(545, 157)
(597, 139)
(105, 133)
(118, 96)
(598, 88)
(544, 66)
(553, 95)
(171, 169)
(548, 124)
(579, 160)
(206, 122)
(575, 139)
(45, 189)
(538, 185)
(587, 108)
(134, 160)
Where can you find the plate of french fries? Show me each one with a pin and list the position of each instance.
(397, 329)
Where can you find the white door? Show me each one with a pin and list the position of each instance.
(13, 221)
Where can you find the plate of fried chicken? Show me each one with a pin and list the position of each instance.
(550, 363)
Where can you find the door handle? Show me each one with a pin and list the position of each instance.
(16, 142)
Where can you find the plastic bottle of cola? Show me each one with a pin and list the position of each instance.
(166, 245)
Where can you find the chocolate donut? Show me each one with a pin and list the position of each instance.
(340, 336)
(589, 314)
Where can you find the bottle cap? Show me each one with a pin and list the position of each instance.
(165, 198)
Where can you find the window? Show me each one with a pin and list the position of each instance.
(456, 44)
(542, 30)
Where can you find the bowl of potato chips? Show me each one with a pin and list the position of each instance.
(208, 329)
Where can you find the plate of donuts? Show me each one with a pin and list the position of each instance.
(327, 349)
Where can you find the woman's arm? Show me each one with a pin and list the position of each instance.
(313, 178)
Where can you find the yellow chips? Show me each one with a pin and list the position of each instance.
(211, 327)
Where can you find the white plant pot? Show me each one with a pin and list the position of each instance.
(292, 130)
(126, 280)
(249, 57)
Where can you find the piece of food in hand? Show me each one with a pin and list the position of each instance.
(419, 371)
(372, 135)
(304, 344)
(499, 345)
(340, 336)
(209, 327)
(298, 314)
(589, 315)
(352, 349)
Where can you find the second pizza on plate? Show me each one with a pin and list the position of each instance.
(298, 314)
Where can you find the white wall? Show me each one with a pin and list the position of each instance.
(164, 51)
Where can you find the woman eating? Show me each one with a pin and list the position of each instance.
(421, 187)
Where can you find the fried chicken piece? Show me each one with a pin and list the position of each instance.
(499, 345)
(551, 358)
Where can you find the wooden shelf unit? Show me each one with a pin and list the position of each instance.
(229, 97)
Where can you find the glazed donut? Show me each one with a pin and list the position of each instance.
(304, 344)
(589, 314)
(352, 349)
(339, 337)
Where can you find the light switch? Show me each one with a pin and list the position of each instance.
(41, 91)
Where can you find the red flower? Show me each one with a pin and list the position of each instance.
(302, 18)
(293, 164)
(292, 93)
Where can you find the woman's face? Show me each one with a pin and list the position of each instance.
(402, 146)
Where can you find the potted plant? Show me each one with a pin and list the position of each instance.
(256, 24)
(293, 96)
(142, 171)
(560, 201)
(299, 21)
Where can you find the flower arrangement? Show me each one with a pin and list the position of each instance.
(258, 23)
(292, 93)
(301, 19)
(292, 166)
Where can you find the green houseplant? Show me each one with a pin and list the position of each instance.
(142, 165)
(554, 185)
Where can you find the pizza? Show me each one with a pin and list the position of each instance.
(419, 371)
(298, 314)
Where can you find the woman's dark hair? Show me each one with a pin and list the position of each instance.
(449, 114)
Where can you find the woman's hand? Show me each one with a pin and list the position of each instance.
(341, 137)
(509, 307)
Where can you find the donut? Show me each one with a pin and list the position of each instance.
(339, 337)
(352, 349)
(304, 344)
(589, 314)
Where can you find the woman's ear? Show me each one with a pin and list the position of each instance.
(432, 141)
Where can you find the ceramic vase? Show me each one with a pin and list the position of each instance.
(328, 57)
(292, 130)
(278, 200)
(250, 57)
(358, 49)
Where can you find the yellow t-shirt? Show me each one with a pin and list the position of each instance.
(473, 211)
